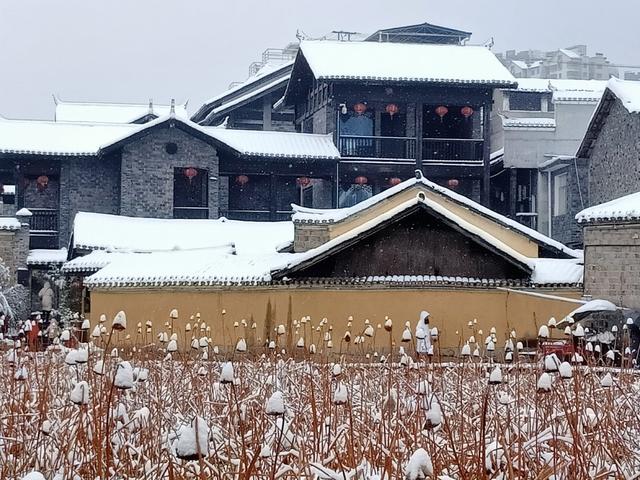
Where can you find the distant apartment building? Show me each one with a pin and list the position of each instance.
(572, 63)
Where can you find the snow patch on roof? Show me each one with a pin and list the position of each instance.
(628, 92)
(44, 256)
(621, 209)
(529, 123)
(564, 90)
(276, 144)
(404, 62)
(557, 271)
(9, 223)
(93, 231)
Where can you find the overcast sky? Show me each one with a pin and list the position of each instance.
(133, 50)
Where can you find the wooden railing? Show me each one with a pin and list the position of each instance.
(377, 147)
(454, 150)
(43, 228)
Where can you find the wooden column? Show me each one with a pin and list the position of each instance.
(266, 113)
(486, 153)
(419, 134)
(273, 196)
(513, 186)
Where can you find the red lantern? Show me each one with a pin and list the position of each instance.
(453, 182)
(242, 180)
(42, 182)
(190, 173)
(392, 109)
(303, 182)
(360, 108)
(394, 181)
(361, 180)
(441, 111)
(466, 111)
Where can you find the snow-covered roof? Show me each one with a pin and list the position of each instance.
(44, 256)
(9, 223)
(621, 209)
(627, 91)
(106, 112)
(97, 231)
(310, 215)
(189, 267)
(87, 139)
(529, 123)
(554, 271)
(404, 62)
(593, 306)
(575, 91)
(92, 262)
(278, 82)
(570, 53)
(276, 144)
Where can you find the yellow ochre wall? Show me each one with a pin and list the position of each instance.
(450, 309)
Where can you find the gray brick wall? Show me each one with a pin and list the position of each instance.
(614, 166)
(612, 263)
(14, 248)
(308, 236)
(565, 228)
(87, 185)
(147, 172)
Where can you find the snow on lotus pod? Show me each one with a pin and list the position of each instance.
(236, 324)
(404, 360)
(86, 324)
(589, 347)
(567, 330)
(589, 419)
(272, 345)
(466, 350)
(614, 329)
(369, 331)
(508, 357)
(65, 336)
(35, 475)
(491, 346)
(280, 330)
(434, 332)
(496, 376)
(505, 399)
(46, 427)
(544, 383)
(103, 318)
(20, 374)
(187, 327)
(419, 466)
(388, 324)
(203, 342)
(340, 395)
(347, 337)
(80, 393)
(205, 354)
(330, 344)
(543, 332)
(193, 440)
(606, 381)
(119, 321)
(124, 376)
(226, 374)
(611, 355)
(578, 331)
(627, 350)
(519, 346)
(172, 346)
(173, 314)
(566, 370)
(433, 417)
(577, 358)
(312, 348)
(508, 345)
(629, 321)
(300, 343)
(241, 346)
(275, 404)
(423, 388)
(476, 352)
(597, 349)
(552, 322)
(70, 357)
(336, 370)
(551, 363)
(195, 345)
(140, 374)
(202, 372)
(472, 339)
(406, 335)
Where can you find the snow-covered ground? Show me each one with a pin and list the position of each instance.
(159, 413)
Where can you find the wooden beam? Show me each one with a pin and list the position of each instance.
(419, 134)
(486, 135)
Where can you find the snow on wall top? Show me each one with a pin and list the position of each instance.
(564, 90)
(627, 91)
(105, 112)
(623, 208)
(276, 144)
(95, 231)
(45, 256)
(9, 223)
(304, 214)
(405, 62)
(249, 95)
(528, 123)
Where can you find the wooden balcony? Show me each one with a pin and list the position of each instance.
(450, 151)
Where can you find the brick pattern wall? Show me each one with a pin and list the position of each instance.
(614, 166)
(147, 172)
(565, 228)
(14, 248)
(612, 263)
(87, 185)
(308, 236)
